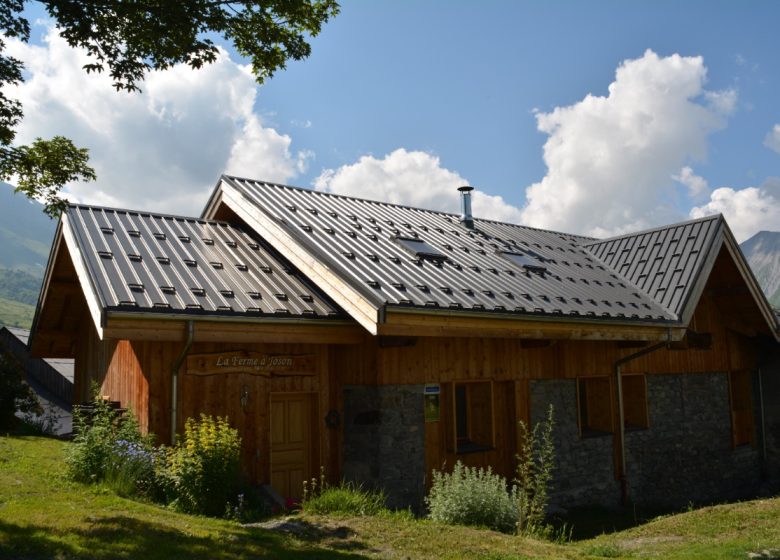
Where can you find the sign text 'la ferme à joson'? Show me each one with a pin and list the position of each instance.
(254, 363)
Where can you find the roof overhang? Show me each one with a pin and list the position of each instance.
(401, 321)
(725, 239)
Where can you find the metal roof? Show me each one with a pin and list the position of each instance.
(663, 262)
(139, 261)
(354, 238)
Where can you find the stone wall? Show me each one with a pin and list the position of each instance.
(584, 471)
(770, 386)
(384, 441)
(684, 456)
(687, 455)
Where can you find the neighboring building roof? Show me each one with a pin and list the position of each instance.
(156, 263)
(357, 240)
(62, 366)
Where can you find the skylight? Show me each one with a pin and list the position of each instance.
(419, 248)
(526, 261)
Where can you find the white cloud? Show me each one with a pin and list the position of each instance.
(412, 178)
(161, 150)
(747, 210)
(696, 185)
(772, 139)
(611, 159)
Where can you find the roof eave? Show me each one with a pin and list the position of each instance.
(490, 324)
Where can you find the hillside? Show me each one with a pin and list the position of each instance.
(25, 239)
(25, 233)
(763, 254)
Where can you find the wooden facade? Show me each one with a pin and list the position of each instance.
(137, 372)
(282, 381)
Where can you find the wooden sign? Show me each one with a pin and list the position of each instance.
(254, 363)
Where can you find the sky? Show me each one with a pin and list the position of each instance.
(595, 118)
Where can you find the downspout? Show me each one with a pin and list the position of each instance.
(621, 412)
(175, 377)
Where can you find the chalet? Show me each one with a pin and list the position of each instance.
(381, 342)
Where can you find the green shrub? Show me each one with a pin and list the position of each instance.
(535, 464)
(102, 437)
(131, 469)
(472, 496)
(201, 473)
(347, 498)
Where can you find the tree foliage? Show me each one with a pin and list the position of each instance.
(15, 394)
(127, 39)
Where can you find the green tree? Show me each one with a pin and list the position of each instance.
(128, 38)
(15, 394)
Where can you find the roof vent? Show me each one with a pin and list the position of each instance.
(465, 198)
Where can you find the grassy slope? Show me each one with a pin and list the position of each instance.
(16, 314)
(44, 515)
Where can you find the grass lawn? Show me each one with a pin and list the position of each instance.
(44, 515)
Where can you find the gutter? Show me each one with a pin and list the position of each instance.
(621, 412)
(175, 377)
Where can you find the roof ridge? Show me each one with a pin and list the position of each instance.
(717, 216)
(150, 214)
(405, 206)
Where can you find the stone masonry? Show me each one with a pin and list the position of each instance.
(384, 441)
(685, 456)
(584, 470)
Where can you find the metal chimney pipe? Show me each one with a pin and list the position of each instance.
(465, 197)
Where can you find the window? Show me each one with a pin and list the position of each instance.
(594, 395)
(528, 261)
(635, 402)
(598, 410)
(419, 248)
(741, 389)
(470, 416)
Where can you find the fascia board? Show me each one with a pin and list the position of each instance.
(53, 256)
(87, 286)
(755, 289)
(703, 274)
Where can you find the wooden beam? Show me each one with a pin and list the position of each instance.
(418, 324)
(243, 332)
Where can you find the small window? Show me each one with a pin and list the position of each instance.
(635, 402)
(740, 386)
(594, 395)
(470, 416)
(419, 248)
(531, 263)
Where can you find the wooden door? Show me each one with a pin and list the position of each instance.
(293, 442)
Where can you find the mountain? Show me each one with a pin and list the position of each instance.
(25, 233)
(763, 254)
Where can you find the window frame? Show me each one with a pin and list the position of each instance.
(469, 444)
(645, 424)
(741, 435)
(585, 430)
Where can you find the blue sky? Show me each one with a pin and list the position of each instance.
(461, 79)
(405, 100)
